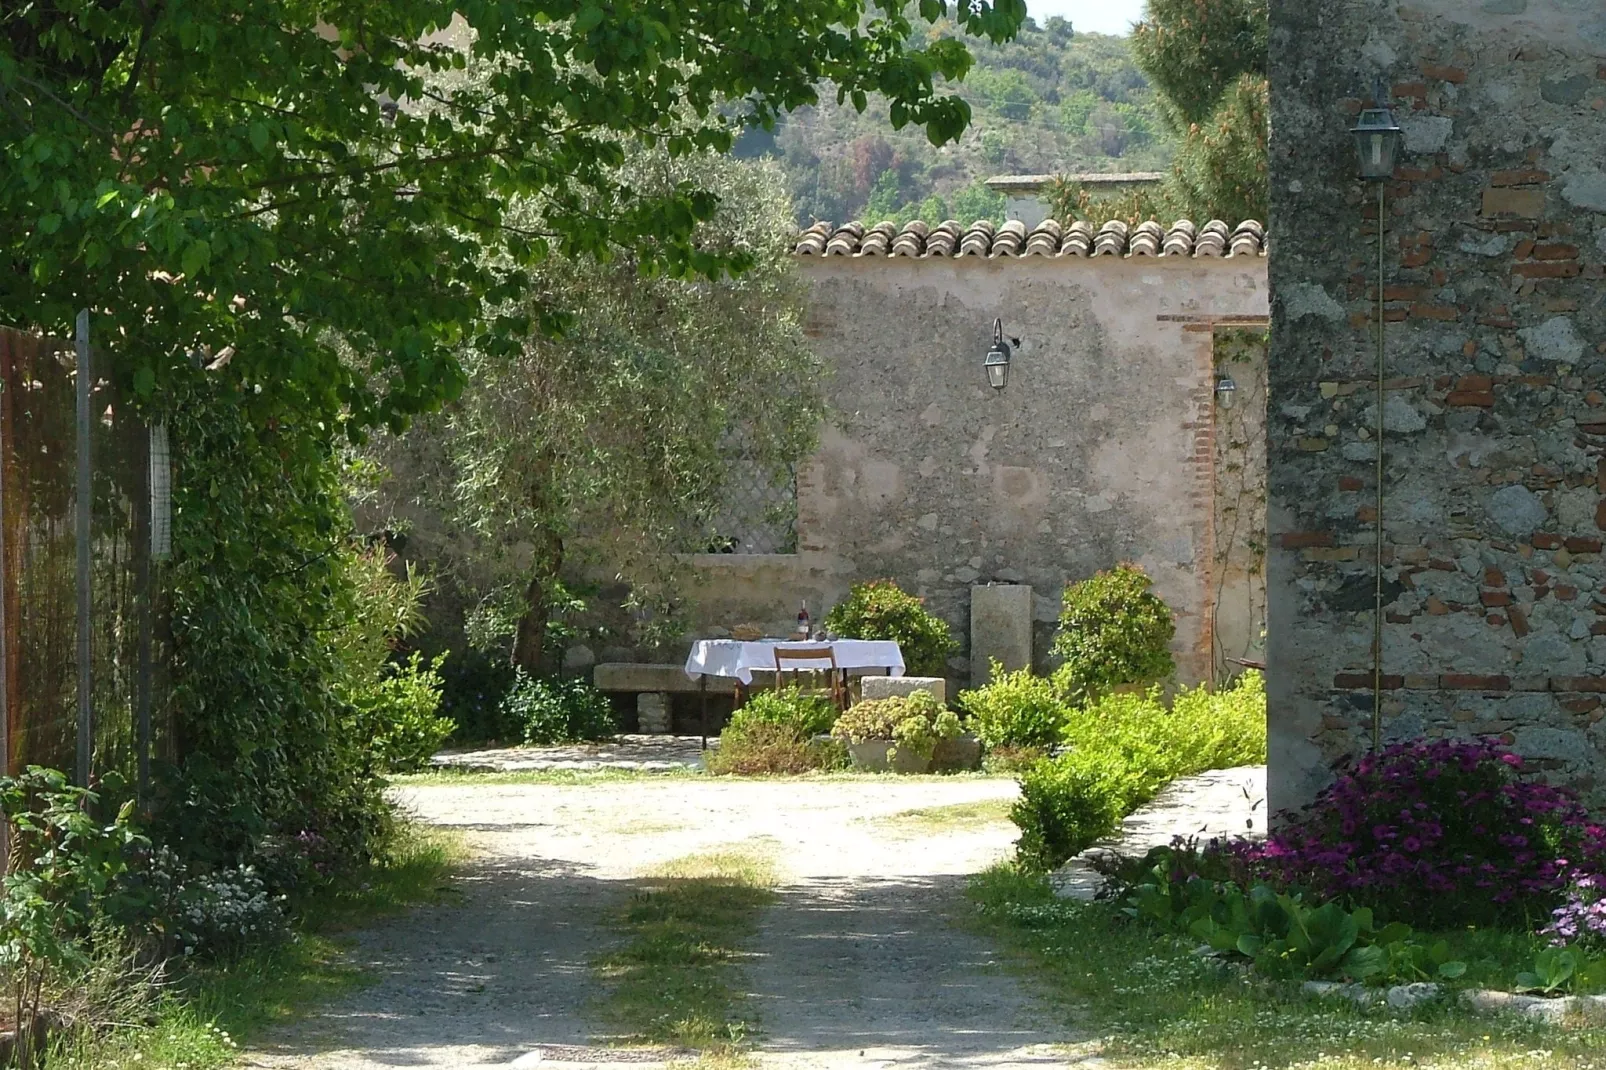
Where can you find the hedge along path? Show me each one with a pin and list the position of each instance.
(862, 959)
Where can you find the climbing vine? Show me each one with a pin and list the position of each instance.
(260, 756)
(1240, 512)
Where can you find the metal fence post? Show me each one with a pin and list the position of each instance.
(144, 518)
(7, 430)
(86, 718)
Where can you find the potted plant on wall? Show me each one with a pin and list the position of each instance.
(900, 734)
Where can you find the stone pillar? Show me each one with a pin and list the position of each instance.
(1000, 628)
(652, 713)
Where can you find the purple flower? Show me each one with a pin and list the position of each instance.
(1437, 832)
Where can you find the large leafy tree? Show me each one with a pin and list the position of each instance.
(294, 180)
(1207, 59)
(1194, 51)
(1207, 62)
(316, 195)
(602, 452)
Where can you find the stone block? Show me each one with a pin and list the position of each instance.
(874, 687)
(652, 713)
(1000, 629)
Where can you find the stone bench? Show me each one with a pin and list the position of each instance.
(640, 677)
(653, 685)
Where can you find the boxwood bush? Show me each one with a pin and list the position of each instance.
(1113, 631)
(882, 610)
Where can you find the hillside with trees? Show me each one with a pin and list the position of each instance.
(1049, 101)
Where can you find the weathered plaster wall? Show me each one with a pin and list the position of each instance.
(1496, 421)
(1099, 451)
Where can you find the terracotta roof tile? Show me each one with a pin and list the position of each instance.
(1048, 239)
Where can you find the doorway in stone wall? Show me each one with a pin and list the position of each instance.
(1238, 564)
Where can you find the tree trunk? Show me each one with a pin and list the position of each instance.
(531, 636)
(529, 642)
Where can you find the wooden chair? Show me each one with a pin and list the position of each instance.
(814, 660)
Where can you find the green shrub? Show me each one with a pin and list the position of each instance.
(878, 719)
(1123, 750)
(1016, 710)
(395, 705)
(559, 711)
(398, 713)
(61, 873)
(474, 683)
(764, 748)
(881, 610)
(774, 734)
(918, 734)
(806, 715)
(1112, 631)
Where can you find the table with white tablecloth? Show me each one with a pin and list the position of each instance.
(739, 659)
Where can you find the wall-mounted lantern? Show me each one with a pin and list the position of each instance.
(1226, 391)
(997, 362)
(1378, 137)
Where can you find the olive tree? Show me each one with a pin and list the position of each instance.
(607, 448)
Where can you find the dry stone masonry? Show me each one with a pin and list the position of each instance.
(1495, 420)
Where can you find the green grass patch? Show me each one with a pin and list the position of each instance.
(212, 1008)
(1150, 1001)
(673, 981)
(954, 816)
(582, 777)
(561, 777)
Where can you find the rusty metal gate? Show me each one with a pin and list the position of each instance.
(81, 482)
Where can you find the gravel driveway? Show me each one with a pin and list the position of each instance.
(857, 965)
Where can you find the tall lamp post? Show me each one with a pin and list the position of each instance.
(1377, 143)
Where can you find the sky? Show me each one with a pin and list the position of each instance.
(1090, 16)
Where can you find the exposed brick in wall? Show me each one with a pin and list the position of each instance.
(1493, 299)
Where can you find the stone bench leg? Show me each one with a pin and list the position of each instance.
(652, 713)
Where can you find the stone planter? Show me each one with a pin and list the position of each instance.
(961, 755)
(875, 756)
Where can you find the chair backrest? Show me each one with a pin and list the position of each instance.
(817, 658)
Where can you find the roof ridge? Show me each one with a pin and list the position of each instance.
(1050, 238)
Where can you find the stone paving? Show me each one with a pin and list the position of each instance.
(1226, 802)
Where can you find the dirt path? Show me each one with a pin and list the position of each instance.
(858, 964)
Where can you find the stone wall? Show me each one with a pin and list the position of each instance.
(1495, 420)
(1100, 450)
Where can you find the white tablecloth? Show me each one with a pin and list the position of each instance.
(739, 659)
